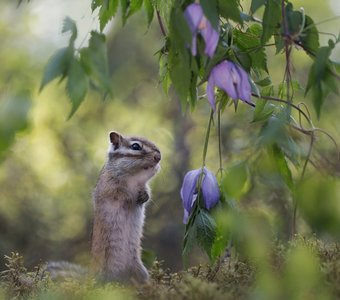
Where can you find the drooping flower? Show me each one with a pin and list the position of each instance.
(198, 23)
(232, 79)
(209, 189)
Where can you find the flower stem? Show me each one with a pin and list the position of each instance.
(220, 170)
(205, 150)
(206, 141)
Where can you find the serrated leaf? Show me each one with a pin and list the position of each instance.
(57, 66)
(249, 42)
(179, 59)
(210, 11)
(256, 4)
(236, 181)
(77, 85)
(310, 37)
(206, 231)
(107, 11)
(94, 59)
(149, 10)
(319, 78)
(189, 240)
(271, 19)
(69, 25)
(95, 4)
(243, 58)
(230, 10)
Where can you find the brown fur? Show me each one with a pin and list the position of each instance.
(119, 198)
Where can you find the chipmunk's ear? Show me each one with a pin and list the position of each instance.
(115, 139)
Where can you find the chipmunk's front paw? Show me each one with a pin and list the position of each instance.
(143, 196)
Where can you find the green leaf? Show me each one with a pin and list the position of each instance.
(256, 4)
(95, 4)
(322, 62)
(210, 11)
(69, 25)
(320, 78)
(263, 110)
(14, 118)
(179, 59)
(282, 166)
(294, 87)
(124, 6)
(94, 60)
(189, 241)
(223, 233)
(243, 58)
(206, 231)
(236, 181)
(249, 42)
(77, 85)
(230, 10)
(294, 20)
(149, 10)
(57, 66)
(107, 11)
(264, 82)
(271, 19)
(310, 37)
(134, 6)
(318, 202)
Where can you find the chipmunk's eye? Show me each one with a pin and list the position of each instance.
(136, 147)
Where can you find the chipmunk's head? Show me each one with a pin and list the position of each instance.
(133, 156)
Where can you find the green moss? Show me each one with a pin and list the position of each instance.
(297, 269)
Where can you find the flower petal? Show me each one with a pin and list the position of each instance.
(244, 88)
(210, 189)
(193, 14)
(194, 45)
(185, 217)
(211, 91)
(210, 36)
(223, 78)
(189, 189)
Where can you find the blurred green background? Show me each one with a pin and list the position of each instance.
(49, 165)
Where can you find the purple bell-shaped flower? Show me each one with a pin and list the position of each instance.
(209, 188)
(230, 78)
(198, 23)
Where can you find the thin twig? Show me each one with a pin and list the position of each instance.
(160, 22)
(288, 103)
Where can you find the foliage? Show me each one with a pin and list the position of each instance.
(240, 56)
(235, 277)
(269, 189)
(18, 281)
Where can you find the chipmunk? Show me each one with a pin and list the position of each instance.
(119, 202)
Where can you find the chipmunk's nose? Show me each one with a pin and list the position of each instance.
(157, 157)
